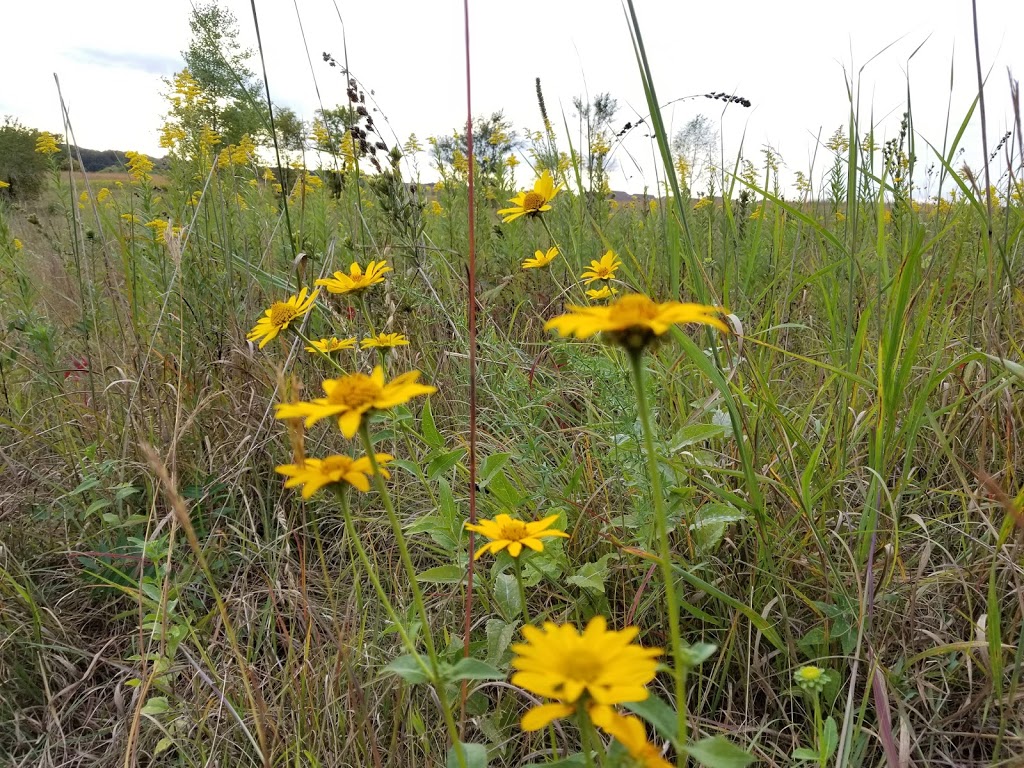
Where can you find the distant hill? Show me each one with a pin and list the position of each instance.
(95, 160)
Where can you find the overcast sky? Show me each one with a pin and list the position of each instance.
(787, 58)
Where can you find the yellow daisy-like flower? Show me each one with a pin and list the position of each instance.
(333, 344)
(564, 664)
(541, 259)
(507, 532)
(280, 314)
(532, 203)
(314, 474)
(384, 341)
(811, 678)
(356, 280)
(604, 292)
(629, 731)
(601, 270)
(351, 397)
(634, 320)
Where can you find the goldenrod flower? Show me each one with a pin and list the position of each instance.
(17, 244)
(812, 679)
(102, 195)
(604, 292)
(46, 144)
(634, 320)
(131, 218)
(314, 474)
(356, 280)
(564, 664)
(384, 341)
(629, 731)
(333, 344)
(601, 270)
(541, 259)
(532, 203)
(504, 531)
(351, 397)
(280, 314)
(139, 166)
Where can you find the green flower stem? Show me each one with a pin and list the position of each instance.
(587, 734)
(366, 313)
(417, 593)
(522, 590)
(664, 552)
(819, 730)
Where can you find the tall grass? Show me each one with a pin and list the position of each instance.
(841, 478)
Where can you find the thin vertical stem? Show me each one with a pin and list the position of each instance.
(664, 551)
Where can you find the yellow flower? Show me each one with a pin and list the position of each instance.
(512, 161)
(333, 344)
(601, 270)
(564, 664)
(629, 731)
(504, 531)
(131, 218)
(17, 244)
(384, 341)
(541, 259)
(46, 144)
(139, 166)
(354, 395)
(436, 209)
(3, 184)
(268, 175)
(532, 203)
(704, 202)
(314, 474)
(102, 195)
(356, 280)
(604, 292)
(280, 314)
(634, 320)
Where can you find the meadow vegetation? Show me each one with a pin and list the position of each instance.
(743, 483)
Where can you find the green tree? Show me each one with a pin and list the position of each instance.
(493, 141)
(218, 62)
(21, 166)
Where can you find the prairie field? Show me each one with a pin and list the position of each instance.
(306, 460)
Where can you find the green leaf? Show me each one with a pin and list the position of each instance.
(829, 738)
(695, 433)
(490, 466)
(698, 653)
(506, 593)
(474, 669)
(591, 577)
(718, 752)
(499, 637)
(475, 756)
(408, 668)
(441, 464)
(803, 753)
(428, 429)
(658, 713)
(442, 574)
(156, 706)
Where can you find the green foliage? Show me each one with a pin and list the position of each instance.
(21, 166)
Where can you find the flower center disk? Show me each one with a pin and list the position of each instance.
(514, 530)
(533, 201)
(355, 390)
(281, 313)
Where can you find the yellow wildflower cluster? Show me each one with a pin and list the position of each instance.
(46, 144)
(242, 153)
(139, 166)
(186, 91)
(171, 136)
(160, 229)
(321, 135)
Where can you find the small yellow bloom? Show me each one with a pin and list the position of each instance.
(812, 679)
(604, 292)
(564, 664)
(507, 532)
(131, 218)
(102, 195)
(139, 166)
(355, 395)
(17, 244)
(46, 144)
(314, 474)
(604, 269)
(3, 184)
(532, 203)
(634, 320)
(333, 344)
(541, 259)
(384, 341)
(629, 731)
(704, 202)
(356, 280)
(280, 314)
